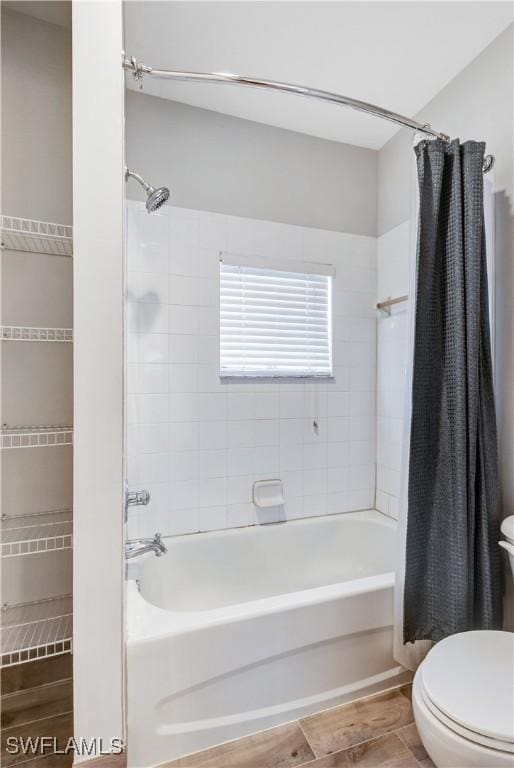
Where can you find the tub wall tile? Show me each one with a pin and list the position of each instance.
(206, 441)
(392, 280)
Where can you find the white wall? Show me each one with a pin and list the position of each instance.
(98, 190)
(393, 270)
(199, 444)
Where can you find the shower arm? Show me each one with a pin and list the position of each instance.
(139, 70)
(133, 175)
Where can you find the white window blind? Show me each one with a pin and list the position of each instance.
(275, 321)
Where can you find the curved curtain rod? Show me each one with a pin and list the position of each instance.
(139, 70)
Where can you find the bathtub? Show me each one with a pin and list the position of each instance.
(235, 631)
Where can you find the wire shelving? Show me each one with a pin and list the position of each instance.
(36, 436)
(26, 333)
(32, 236)
(36, 630)
(36, 533)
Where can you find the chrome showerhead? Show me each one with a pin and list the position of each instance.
(155, 198)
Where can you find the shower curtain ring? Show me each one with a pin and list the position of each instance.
(138, 70)
(488, 163)
(442, 136)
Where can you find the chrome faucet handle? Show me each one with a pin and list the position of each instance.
(162, 548)
(137, 498)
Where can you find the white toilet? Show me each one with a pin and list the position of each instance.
(463, 695)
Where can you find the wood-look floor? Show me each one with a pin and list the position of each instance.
(37, 700)
(105, 761)
(376, 732)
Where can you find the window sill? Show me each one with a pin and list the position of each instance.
(230, 378)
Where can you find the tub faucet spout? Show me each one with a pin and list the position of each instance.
(136, 547)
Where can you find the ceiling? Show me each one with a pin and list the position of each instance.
(398, 55)
(55, 12)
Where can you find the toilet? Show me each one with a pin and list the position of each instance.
(463, 695)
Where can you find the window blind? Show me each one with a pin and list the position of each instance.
(275, 322)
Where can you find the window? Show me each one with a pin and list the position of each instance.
(275, 318)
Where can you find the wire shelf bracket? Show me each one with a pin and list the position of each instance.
(31, 236)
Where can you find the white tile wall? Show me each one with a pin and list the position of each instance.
(393, 250)
(199, 444)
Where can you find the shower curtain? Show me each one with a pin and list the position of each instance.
(449, 568)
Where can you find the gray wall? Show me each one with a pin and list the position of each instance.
(219, 163)
(36, 119)
(477, 104)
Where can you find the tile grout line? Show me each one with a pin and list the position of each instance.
(352, 746)
(409, 750)
(34, 758)
(364, 698)
(42, 687)
(38, 720)
(359, 699)
(364, 741)
(308, 744)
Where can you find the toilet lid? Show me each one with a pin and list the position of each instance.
(507, 528)
(469, 678)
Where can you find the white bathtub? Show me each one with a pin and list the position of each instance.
(235, 631)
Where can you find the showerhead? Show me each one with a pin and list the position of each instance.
(155, 198)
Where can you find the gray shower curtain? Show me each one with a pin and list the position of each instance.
(452, 564)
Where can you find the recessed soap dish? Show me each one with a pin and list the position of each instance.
(268, 493)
